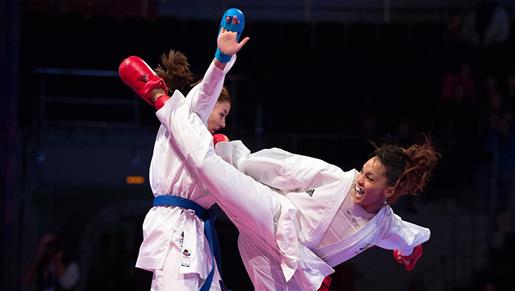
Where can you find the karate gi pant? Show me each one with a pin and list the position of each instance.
(169, 278)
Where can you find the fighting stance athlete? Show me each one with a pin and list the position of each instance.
(299, 216)
(178, 245)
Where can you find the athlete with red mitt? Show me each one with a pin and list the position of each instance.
(179, 244)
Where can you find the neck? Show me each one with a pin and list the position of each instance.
(373, 209)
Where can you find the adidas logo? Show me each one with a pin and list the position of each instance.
(310, 192)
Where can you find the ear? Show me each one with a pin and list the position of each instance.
(388, 192)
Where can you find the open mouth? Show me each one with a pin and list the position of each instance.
(359, 191)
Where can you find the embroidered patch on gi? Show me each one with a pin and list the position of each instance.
(310, 192)
(186, 258)
(351, 219)
(181, 239)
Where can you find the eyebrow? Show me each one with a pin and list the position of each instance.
(369, 172)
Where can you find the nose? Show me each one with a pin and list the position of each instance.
(359, 179)
(222, 123)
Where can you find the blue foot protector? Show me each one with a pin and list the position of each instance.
(228, 25)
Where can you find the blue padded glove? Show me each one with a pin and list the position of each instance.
(231, 12)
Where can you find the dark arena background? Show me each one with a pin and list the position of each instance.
(319, 78)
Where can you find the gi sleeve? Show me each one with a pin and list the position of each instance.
(403, 236)
(203, 97)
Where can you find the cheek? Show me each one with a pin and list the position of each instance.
(210, 124)
(371, 188)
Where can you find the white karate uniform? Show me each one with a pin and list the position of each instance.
(174, 246)
(283, 217)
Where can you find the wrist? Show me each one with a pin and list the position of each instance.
(157, 93)
(219, 64)
(221, 57)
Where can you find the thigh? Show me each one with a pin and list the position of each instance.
(288, 172)
(250, 205)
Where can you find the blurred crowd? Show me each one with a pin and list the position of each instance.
(477, 104)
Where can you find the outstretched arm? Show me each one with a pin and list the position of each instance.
(405, 239)
(203, 97)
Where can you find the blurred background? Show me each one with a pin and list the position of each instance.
(319, 78)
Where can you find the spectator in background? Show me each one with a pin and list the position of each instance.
(458, 106)
(487, 30)
(497, 157)
(487, 25)
(454, 44)
(493, 102)
(453, 35)
(457, 124)
(459, 86)
(51, 268)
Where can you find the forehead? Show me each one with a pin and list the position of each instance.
(374, 166)
(224, 105)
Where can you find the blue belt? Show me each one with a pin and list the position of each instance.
(209, 217)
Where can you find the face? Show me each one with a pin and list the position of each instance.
(371, 190)
(216, 120)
